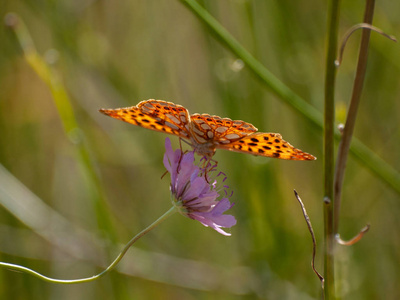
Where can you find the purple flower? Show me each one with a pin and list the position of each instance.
(192, 193)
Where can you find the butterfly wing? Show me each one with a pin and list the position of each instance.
(207, 132)
(217, 130)
(156, 115)
(266, 144)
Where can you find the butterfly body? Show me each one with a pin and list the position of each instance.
(205, 132)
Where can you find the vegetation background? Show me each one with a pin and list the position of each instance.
(58, 219)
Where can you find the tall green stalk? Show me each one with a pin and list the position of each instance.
(67, 117)
(329, 166)
(345, 142)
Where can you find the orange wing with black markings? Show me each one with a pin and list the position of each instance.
(207, 133)
(267, 144)
(156, 115)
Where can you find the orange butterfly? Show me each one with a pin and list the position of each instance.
(207, 133)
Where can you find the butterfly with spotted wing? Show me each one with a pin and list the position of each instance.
(206, 133)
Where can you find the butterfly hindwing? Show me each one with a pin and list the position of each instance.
(267, 144)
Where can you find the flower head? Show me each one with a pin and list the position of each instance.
(192, 193)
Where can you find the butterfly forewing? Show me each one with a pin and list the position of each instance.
(156, 115)
(267, 144)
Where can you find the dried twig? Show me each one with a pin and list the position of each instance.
(354, 239)
(312, 236)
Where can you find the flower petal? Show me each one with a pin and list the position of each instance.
(196, 196)
(168, 155)
(208, 223)
(215, 218)
(196, 188)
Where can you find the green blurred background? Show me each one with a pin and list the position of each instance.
(70, 201)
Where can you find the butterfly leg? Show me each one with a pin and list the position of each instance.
(208, 166)
(182, 153)
(180, 144)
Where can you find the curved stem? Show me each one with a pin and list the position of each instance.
(352, 30)
(171, 211)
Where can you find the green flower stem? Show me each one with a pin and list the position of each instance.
(19, 268)
(329, 147)
(361, 152)
(344, 145)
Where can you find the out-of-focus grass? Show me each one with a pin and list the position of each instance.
(116, 54)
